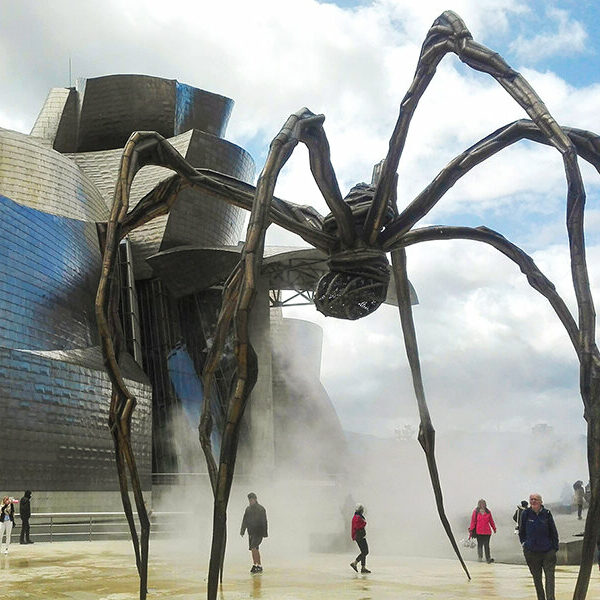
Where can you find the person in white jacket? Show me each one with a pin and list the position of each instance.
(7, 519)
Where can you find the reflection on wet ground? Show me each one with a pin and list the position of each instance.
(106, 571)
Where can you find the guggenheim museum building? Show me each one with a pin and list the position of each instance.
(55, 184)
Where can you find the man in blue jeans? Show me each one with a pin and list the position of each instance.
(539, 539)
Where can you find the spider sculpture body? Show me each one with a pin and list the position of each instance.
(357, 236)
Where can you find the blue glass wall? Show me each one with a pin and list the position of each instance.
(54, 393)
(49, 268)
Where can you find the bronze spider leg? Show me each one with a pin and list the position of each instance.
(227, 311)
(150, 148)
(591, 403)
(587, 145)
(122, 401)
(449, 34)
(426, 431)
(305, 221)
(141, 147)
(302, 126)
(535, 277)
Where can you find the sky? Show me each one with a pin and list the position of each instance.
(494, 356)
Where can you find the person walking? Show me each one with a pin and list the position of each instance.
(359, 535)
(578, 495)
(481, 527)
(255, 521)
(539, 538)
(519, 514)
(7, 520)
(25, 514)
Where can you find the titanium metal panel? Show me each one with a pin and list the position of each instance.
(114, 106)
(199, 109)
(34, 175)
(47, 123)
(56, 437)
(199, 217)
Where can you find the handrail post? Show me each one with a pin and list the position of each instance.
(90, 538)
(51, 519)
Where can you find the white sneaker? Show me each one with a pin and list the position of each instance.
(6, 551)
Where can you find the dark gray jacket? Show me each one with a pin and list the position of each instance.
(255, 521)
(25, 507)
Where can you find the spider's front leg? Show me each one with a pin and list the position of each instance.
(426, 430)
(142, 148)
(240, 293)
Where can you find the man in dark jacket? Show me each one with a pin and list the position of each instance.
(25, 514)
(539, 539)
(255, 521)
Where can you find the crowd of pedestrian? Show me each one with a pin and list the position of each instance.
(7, 520)
(537, 533)
(535, 526)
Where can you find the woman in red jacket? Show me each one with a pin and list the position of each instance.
(481, 527)
(359, 535)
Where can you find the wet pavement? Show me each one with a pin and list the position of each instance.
(106, 571)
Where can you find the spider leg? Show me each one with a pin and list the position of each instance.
(591, 399)
(586, 143)
(141, 149)
(243, 291)
(312, 134)
(426, 430)
(305, 221)
(449, 34)
(582, 336)
(535, 277)
(215, 353)
(149, 148)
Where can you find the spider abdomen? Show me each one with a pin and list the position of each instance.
(355, 286)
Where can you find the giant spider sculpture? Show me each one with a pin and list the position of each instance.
(356, 236)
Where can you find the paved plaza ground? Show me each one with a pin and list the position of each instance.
(106, 571)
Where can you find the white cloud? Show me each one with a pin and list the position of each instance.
(484, 335)
(568, 38)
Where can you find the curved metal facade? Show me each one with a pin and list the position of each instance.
(53, 388)
(55, 185)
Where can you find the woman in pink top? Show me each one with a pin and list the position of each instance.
(481, 527)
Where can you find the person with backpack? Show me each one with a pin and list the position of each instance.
(519, 514)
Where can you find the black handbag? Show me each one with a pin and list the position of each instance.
(473, 532)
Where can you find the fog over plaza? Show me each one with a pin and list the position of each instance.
(496, 362)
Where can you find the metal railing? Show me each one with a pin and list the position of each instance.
(57, 526)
